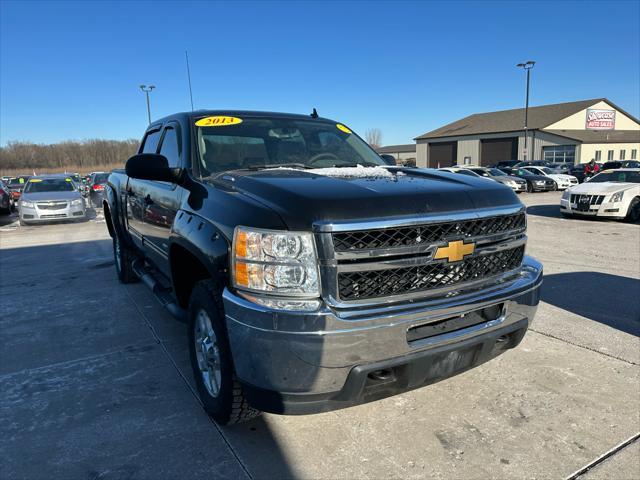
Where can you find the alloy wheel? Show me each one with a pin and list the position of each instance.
(207, 353)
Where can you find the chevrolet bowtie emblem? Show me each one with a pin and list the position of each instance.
(455, 251)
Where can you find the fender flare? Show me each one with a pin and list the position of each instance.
(204, 241)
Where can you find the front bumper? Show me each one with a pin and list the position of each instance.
(545, 187)
(518, 187)
(34, 215)
(307, 362)
(606, 209)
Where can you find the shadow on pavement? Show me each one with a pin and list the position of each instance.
(103, 381)
(551, 211)
(609, 299)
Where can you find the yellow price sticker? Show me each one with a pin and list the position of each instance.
(342, 128)
(218, 121)
(68, 179)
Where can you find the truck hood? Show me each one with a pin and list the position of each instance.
(601, 188)
(303, 197)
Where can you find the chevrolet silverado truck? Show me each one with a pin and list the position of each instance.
(312, 275)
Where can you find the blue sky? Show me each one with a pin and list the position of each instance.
(71, 70)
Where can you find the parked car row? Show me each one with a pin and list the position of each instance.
(40, 198)
(519, 179)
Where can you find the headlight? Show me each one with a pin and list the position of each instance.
(26, 204)
(617, 197)
(277, 262)
(539, 182)
(566, 194)
(77, 201)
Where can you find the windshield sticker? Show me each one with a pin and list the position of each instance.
(21, 180)
(35, 180)
(68, 179)
(342, 128)
(218, 121)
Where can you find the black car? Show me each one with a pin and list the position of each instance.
(96, 188)
(620, 164)
(6, 200)
(535, 183)
(533, 163)
(506, 165)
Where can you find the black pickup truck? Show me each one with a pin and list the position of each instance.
(312, 275)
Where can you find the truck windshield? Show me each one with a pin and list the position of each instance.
(257, 143)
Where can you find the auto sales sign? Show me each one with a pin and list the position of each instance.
(601, 119)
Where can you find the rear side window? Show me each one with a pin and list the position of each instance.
(170, 148)
(150, 142)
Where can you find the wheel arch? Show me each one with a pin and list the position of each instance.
(196, 253)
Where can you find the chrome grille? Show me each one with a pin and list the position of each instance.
(426, 234)
(590, 199)
(382, 260)
(430, 233)
(52, 205)
(382, 283)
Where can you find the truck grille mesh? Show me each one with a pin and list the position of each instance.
(397, 281)
(429, 233)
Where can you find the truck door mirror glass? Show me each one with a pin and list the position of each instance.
(152, 166)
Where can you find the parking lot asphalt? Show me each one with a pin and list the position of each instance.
(96, 382)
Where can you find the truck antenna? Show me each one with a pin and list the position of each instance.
(314, 114)
(186, 56)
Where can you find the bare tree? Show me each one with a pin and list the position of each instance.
(79, 155)
(374, 137)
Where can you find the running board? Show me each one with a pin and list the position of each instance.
(163, 294)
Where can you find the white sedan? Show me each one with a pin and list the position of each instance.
(562, 180)
(612, 194)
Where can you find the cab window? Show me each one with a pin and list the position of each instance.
(170, 148)
(150, 142)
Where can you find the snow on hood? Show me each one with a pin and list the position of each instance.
(358, 171)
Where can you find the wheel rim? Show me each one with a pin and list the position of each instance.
(207, 353)
(117, 251)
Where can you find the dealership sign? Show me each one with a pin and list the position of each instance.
(601, 119)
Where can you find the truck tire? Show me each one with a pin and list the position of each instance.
(124, 259)
(220, 392)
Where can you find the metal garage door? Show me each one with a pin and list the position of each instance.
(443, 154)
(498, 149)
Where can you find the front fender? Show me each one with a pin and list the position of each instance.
(204, 241)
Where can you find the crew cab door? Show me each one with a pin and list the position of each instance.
(137, 190)
(162, 201)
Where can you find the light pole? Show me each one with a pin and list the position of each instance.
(527, 67)
(146, 90)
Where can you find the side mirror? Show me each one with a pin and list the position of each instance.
(389, 159)
(152, 166)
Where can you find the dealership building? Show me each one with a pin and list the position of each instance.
(572, 132)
